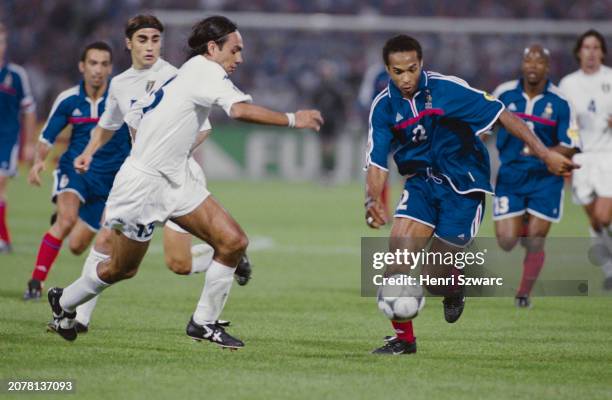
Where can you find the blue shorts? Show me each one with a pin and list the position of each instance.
(9, 153)
(517, 192)
(92, 189)
(431, 200)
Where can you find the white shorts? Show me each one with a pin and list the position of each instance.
(142, 198)
(196, 170)
(593, 178)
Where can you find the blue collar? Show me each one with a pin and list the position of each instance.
(394, 91)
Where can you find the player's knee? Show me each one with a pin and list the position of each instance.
(235, 244)
(602, 217)
(113, 272)
(66, 222)
(77, 247)
(507, 243)
(178, 265)
(129, 273)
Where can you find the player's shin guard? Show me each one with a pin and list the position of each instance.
(532, 265)
(218, 283)
(82, 290)
(85, 310)
(201, 257)
(403, 330)
(47, 253)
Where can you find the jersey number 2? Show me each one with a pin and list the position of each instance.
(403, 204)
(420, 134)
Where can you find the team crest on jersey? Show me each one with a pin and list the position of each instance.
(605, 87)
(428, 100)
(8, 80)
(548, 111)
(573, 134)
(77, 113)
(149, 86)
(512, 107)
(489, 97)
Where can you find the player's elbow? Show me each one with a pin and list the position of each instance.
(238, 111)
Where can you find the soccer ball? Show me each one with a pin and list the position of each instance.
(400, 302)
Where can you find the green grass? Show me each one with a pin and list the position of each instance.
(308, 333)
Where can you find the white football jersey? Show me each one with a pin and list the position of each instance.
(591, 96)
(131, 85)
(175, 114)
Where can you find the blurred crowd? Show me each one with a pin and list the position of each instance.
(283, 69)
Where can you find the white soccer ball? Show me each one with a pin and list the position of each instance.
(400, 302)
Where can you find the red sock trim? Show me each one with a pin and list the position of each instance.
(47, 253)
(403, 330)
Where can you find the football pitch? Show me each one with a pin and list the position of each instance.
(308, 333)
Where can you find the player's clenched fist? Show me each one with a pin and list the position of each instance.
(82, 162)
(310, 119)
(558, 164)
(375, 213)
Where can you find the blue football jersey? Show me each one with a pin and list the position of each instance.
(15, 96)
(549, 116)
(73, 107)
(434, 131)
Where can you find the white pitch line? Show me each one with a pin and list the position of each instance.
(268, 245)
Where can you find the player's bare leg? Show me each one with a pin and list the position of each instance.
(81, 237)
(123, 264)
(413, 236)
(600, 217)
(177, 251)
(213, 224)
(68, 204)
(537, 230)
(508, 232)
(5, 237)
(454, 299)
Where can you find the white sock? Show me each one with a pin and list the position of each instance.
(201, 257)
(218, 283)
(83, 289)
(85, 310)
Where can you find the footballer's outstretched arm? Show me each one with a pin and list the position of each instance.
(557, 163)
(99, 137)
(375, 209)
(310, 119)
